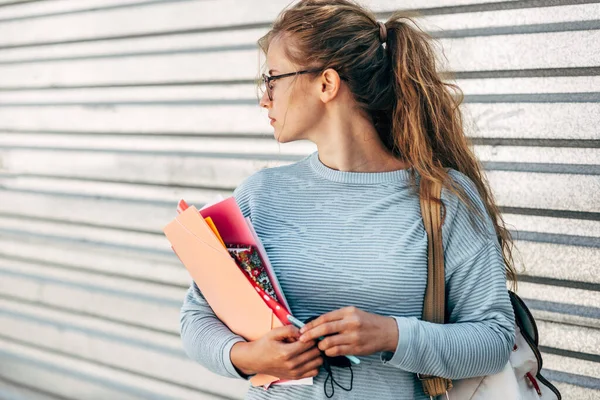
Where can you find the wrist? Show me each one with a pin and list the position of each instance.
(392, 335)
(241, 358)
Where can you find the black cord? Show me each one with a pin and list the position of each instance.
(328, 362)
(330, 375)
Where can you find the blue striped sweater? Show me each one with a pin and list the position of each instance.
(339, 238)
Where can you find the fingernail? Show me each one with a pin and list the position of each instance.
(302, 338)
(303, 329)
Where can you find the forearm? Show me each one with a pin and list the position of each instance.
(390, 334)
(453, 351)
(241, 358)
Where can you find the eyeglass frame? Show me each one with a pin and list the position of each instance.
(268, 79)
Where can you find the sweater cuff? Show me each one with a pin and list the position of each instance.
(406, 326)
(229, 367)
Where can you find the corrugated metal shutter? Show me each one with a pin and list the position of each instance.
(112, 110)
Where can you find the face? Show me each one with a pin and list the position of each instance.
(296, 108)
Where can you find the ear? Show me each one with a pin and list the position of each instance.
(329, 85)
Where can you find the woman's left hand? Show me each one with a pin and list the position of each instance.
(352, 331)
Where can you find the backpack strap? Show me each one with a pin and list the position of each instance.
(434, 307)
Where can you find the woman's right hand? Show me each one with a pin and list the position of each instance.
(279, 353)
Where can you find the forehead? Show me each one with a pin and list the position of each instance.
(276, 57)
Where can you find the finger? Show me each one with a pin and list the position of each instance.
(335, 340)
(288, 331)
(308, 356)
(312, 373)
(327, 328)
(327, 317)
(312, 365)
(297, 348)
(342, 350)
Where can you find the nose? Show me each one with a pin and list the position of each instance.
(264, 101)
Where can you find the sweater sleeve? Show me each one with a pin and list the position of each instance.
(478, 338)
(205, 338)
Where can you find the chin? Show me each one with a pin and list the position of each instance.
(286, 138)
(279, 138)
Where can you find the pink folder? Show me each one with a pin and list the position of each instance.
(221, 281)
(234, 228)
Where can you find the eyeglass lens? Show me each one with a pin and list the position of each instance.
(266, 86)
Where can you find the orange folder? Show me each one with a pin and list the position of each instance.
(210, 223)
(221, 281)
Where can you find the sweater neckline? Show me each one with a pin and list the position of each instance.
(399, 175)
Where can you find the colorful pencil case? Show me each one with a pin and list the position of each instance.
(248, 259)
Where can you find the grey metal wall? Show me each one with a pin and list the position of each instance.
(112, 110)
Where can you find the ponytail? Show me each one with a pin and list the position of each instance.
(426, 122)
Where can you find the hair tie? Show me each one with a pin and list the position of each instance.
(382, 32)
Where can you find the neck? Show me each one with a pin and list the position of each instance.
(349, 142)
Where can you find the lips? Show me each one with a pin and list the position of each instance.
(272, 120)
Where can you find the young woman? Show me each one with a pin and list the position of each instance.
(343, 226)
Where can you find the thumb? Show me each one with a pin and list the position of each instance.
(285, 332)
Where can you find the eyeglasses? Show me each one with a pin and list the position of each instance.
(266, 80)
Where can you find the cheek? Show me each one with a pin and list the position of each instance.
(311, 113)
(298, 113)
(301, 118)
